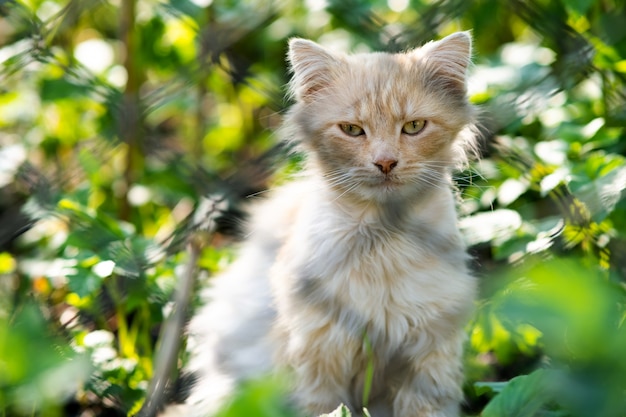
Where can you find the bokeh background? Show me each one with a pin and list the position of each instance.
(118, 118)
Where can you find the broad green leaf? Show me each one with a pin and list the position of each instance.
(568, 302)
(42, 371)
(523, 396)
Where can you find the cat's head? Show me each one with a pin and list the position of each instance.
(379, 125)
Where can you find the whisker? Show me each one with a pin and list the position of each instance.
(257, 193)
(433, 178)
(349, 189)
(425, 180)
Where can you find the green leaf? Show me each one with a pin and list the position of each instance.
(260, 398)
(55, 89)
(184, 6)
(133, 255)
(489, 387)
(579, 7)
(38, 370)
(523, 396)
(84, 282)
(91, 229)
(369, 370)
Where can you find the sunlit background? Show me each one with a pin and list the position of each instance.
(118, 116)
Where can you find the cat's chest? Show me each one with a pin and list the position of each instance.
(374, 267)
(349, 276)
(371, 277)
(364, 254)
(367, 256)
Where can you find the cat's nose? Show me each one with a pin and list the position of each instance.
(386, 165)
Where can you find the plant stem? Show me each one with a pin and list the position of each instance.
(130, 112)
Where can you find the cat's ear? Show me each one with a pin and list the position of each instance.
(313, 67)
(450, 57)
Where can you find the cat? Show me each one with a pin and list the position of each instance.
(359, 260)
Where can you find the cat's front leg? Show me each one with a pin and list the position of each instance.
(320, 356)
(433, 386)
(318, 392)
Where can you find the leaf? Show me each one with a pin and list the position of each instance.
(55, 89)
(369, 370)
(489, 387)
(523, 396)
(132, 256)
(510, 190)
(183, 6)
(602, 195)
(263, 397)
(38, 370)
(341, 411)
(488, 226)
(84, 282)
(553, 180)
(580, 7)
(90, 229)
(553, 152)
(568, 302)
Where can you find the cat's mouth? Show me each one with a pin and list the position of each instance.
(387, 182)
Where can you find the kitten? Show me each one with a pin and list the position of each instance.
(360, 259)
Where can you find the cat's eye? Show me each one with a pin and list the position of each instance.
(351, 130)
(414, 127)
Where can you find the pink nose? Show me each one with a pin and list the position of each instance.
(386, 165)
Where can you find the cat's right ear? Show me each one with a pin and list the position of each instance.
(449, 58)
(313, 68)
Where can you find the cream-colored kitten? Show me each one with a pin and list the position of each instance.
(361, 259)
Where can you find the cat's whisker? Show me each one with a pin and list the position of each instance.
(258, 193)
(433, 179)
(471, 175)
(423, 179)
(429, 182)
(349, 189)
(439, 164)
(470, 183)
(436, 172)
(339, 181)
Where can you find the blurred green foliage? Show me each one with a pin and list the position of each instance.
(117, 116)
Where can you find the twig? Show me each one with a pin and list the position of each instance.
(203, 225)
(167, 352)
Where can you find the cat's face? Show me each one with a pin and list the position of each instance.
(379, 125)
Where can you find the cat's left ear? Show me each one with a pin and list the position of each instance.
(450, 57)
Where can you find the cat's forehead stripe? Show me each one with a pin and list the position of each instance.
(384, 84)
(387, 97)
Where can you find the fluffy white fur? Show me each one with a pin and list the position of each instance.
(352, 255)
